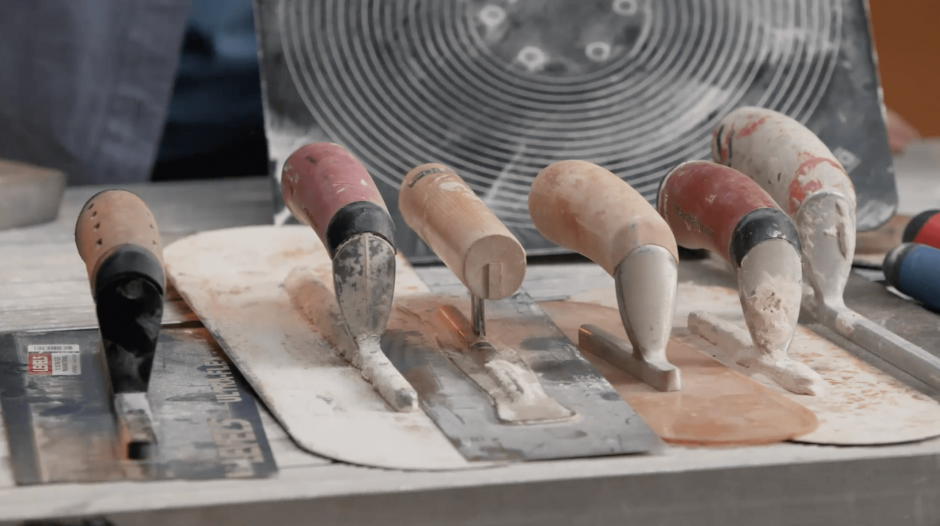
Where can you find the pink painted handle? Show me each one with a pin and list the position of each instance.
(319, 179)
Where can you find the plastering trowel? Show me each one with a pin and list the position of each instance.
(714, 207)
(530, 394)
(808, 182)
(85, 405)
(303, 317)
(585, 208)
(326, 188)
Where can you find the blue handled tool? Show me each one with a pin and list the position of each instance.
(915, 270)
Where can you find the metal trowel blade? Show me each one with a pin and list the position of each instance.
(603, 424)
(60, 419)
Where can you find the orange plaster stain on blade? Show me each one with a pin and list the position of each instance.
(716, 406)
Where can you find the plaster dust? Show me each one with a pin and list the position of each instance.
(716, 405)
(769, 310)
(311, 297)
(862, 405)
(786, 372)
(770, 314)
(233, 280)
(493, 366)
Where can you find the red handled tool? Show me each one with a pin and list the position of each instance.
(788, 161)
(713, 207)
(327, 188)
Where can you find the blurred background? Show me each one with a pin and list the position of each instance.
(180, 97)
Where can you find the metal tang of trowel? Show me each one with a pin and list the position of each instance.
(325, 187)
(118, 240)
(794, 166)
(547, 400)
(714, 207)
(589, 210)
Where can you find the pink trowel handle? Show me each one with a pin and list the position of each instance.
(325, 187)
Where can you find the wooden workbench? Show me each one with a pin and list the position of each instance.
(43, 285)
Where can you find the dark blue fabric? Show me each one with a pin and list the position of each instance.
(215, 124)
(84, 84)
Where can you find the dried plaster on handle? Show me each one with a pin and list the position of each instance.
(768, 311)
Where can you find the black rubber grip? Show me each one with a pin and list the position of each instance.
(358, 218)
(758, 226)
(892, 263)
(129, 304)
(917, 222)
(129, 261)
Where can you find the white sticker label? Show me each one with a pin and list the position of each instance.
(56, 360)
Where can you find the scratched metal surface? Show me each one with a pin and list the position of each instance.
(60, 428)
(604, 424)
(499, 89)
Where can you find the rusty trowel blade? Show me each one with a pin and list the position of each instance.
(603, 424)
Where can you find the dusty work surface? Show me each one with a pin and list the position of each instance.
(43, 285)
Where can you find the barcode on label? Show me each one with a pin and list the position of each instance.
(53, 348)
(55, 360)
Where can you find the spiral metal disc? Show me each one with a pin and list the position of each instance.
(498, 89)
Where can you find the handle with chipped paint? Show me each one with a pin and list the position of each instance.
(326, 187)
(784, 157)
(711, 206)
(474, 244)
(586, 208)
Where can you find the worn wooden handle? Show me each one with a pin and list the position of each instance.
(587, 209)
(111, 220)
(473, 243)
(327, 188)
(715, 207)
(781, 155)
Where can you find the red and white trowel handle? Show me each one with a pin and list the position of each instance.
(589, 210)
(717, 208)
(711, 206)
(781, 155)
(794, 166)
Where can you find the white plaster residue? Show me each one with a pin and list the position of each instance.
(846, 320)
(770, 309)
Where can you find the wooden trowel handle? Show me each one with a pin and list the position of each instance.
(717, 208)
(781, 155)
(116, 234)
(327, 188)
(584, 208)
(473, 243)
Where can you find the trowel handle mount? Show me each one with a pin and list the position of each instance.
(326, 187)
(711, 206)
(467, 236)
(117, 237)
(585, 208)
